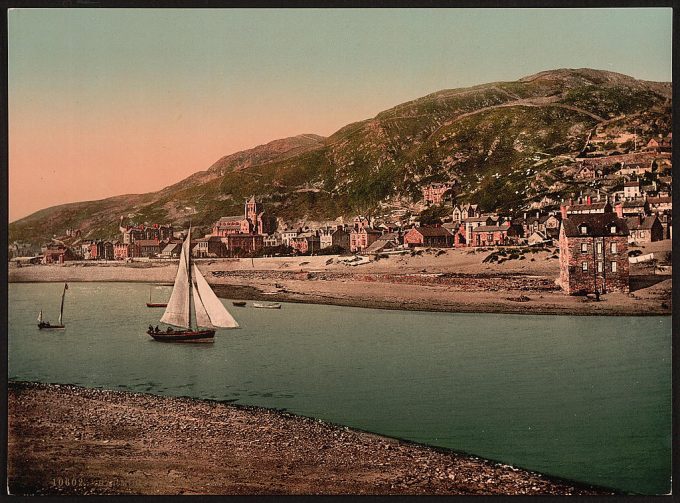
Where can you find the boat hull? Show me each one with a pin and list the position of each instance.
(156, 304)
(267, 306)
(183, 336)
(47, 326)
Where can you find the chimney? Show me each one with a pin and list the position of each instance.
(619, 210)
(598, 195)
(525, 215)
(588, 200)
(563, 211)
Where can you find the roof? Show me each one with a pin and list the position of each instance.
(230, 219)
(634, 204)
(147, 242)
(477, 219)
(389, 236)
(597, 225)
(171, 247)
(585, 207)
(632, 184)
(432, 231)
(661, 199)
(490, 228)
(634, 223)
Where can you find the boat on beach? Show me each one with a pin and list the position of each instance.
(273, 305)
(193, 306)
(46, 325)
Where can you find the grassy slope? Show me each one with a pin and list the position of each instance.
(471, 135)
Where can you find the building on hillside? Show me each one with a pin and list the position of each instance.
(632, 190)
(661, 144)
(235, 224)
(658, 204)
(57, 254)
(464, 234)
(434, 236)
(588, 172)
(287, 236)
(360, 222)
(334, 236)
(465, 211)
(362, 238)
(644, 229)
(593, 253)
(132, 233)
(635, 169)
(666, 219)
(539, 238)
(589, 207)
(124, 251)
(633, 207)
(434, 192)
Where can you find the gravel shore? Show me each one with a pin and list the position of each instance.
(71, 440)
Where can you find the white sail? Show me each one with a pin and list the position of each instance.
(177, 311)
(40, 317)
(219, 316)
(202, 318)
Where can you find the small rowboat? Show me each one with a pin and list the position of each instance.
(155, 304)
(239, 303)
(275, 305)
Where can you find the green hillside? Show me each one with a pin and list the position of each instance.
(499, 141)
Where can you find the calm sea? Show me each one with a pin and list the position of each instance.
(585, 398)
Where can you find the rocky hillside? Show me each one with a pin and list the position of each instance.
(504, 143)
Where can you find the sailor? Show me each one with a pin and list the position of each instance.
(150, 328)
(156, 329)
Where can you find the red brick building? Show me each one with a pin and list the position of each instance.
(434, 192)
(362, 238)
(239, 245)
(124, 251)
(495, 235)
(306, 242)
(428, 236)
(593, 253)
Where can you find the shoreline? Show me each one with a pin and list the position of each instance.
(114, 442)
(481, 292)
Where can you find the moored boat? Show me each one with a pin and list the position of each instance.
(239, 303)
(274, 305)
(46, 325)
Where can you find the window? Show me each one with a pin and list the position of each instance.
(584, 266)
(599, 248)
(613, 266)
(584, 247)
(613, 229)
(613, 248)
(584, 229)
(599, 266)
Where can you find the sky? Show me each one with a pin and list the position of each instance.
(105, 102)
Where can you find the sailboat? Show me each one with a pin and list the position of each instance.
(46, 325)
(193, 306)
(155, 304)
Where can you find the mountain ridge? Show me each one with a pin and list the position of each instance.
(482, 137)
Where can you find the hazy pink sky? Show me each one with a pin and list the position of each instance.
(105, 102)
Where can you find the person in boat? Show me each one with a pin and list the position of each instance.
(150, 328)
(170, 330)
(156, 329)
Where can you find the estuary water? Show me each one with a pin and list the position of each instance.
(584, 398)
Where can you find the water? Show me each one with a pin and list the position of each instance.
(585, 398)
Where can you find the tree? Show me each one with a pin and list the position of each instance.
(433, 215)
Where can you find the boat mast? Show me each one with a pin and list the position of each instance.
(191, 286)
(63, 294)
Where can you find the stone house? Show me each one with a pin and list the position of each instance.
(239, 245)
(434, 236)
(272, 240)
(593, 253)
(434, 192)
(632, 190)
(149, 247)
(644, 229)
(589, 207)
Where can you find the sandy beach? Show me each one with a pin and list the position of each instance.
(72, 440)
(430, 280)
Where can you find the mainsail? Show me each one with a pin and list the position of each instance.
(177, 311)
(219, 316)
(40, 318)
